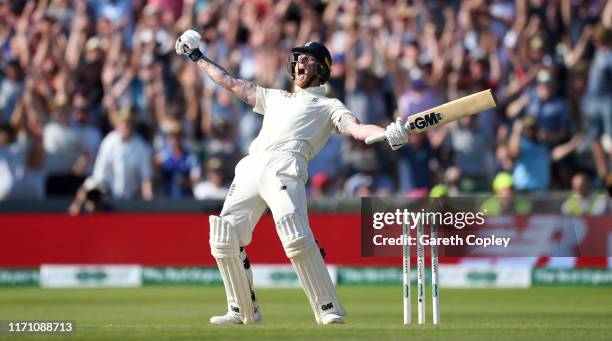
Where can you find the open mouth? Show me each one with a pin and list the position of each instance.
(301, 70)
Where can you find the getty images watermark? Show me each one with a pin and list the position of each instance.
(458, 220)
(479, 227)
(462, 228)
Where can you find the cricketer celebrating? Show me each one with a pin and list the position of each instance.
(295, 127)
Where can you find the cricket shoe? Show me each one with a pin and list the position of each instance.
(232, 318)
(331, 319)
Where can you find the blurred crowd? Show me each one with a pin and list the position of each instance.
(92, 95)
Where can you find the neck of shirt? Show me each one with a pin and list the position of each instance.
(315, 90)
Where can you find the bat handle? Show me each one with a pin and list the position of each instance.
(376, 138)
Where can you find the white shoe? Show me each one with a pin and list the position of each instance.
(232, 318)
(331, 319)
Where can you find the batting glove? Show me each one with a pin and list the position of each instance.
(188, 44)
(396, 134)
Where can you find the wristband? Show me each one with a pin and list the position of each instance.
(196, 55)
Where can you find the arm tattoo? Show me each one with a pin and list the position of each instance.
(244, 89)
(346, 121)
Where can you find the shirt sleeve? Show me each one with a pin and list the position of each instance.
(195, 168)
(146, 171)
(594, 125)
(260, 100)
(338, 110)
(102, 166)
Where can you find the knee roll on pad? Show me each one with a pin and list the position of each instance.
(223, 238)
(307, 261)
(295, 234)
(231, 262)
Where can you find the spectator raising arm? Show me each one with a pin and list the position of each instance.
(514, 145)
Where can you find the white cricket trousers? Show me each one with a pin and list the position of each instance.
(277, 180)
(265, 179)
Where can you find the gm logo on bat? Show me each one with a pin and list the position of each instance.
(425, 121)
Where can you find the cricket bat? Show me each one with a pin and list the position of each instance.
(445, 113)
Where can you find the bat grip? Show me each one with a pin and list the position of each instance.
(375, 138)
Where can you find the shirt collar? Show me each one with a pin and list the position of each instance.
(315, 90)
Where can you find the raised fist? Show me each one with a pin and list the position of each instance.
(188, 42)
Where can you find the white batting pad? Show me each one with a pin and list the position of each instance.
(307, 261)
(224, 247)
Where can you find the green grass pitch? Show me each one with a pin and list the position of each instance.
(375, 313)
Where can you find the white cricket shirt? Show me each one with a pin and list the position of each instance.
(299, 122)
(123, 165)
